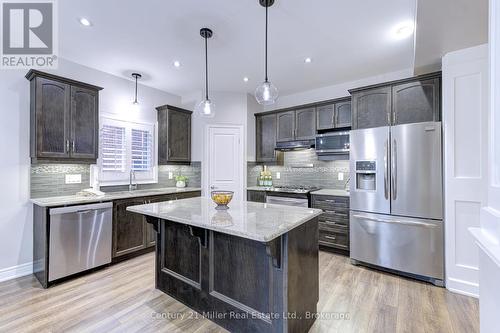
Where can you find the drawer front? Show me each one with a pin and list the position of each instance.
(340, 228)
(336, 239)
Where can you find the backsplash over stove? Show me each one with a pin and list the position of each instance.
(322, 174)
(48, 180)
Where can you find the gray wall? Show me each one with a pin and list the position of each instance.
(323, 174)
(48, 180)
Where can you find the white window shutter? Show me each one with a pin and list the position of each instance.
(142, 150)
(113, 150)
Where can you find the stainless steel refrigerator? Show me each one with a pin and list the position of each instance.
(397, 199)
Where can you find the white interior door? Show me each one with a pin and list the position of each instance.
(465, 119)
(224, 153)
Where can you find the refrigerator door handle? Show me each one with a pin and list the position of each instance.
(394, 171)
(386, 169)
(412, 223)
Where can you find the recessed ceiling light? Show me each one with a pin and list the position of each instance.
(177, 64)
(85, 22)
(403, 30)
(245, 79)
(307, 60)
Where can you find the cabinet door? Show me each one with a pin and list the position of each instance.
(179, 136)
(325, 116)
(286, 126)
(343, 114)
(256, 196)
(265, 137)
(305, 126)
(52, 102)
(416, 102)
(84, 123)
(129, 233)
(371, 108)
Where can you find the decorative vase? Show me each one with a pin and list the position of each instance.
(180, 184)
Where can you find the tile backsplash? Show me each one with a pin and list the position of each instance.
(322, 174)
(48, 180)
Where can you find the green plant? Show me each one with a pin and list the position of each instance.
(181, 178)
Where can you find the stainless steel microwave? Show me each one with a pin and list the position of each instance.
(333, 143)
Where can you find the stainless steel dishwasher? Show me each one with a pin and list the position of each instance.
(79, 238)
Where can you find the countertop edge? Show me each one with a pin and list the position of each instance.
(279, 233)
(491, 249)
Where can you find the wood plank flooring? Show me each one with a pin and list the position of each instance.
(122, 298)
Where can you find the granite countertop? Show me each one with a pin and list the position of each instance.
(333, 192)
(251, 220)
(110, 196)
(259, 188)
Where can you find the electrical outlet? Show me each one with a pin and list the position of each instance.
(73, 179)
(278, 175)
(170, 175)
(341, 176)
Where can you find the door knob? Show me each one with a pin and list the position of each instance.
(213, 187)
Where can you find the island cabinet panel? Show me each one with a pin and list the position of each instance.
(174, 135)
(64, 119)
(265, 138)
(230, 277)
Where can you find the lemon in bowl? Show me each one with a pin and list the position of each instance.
(222, 198)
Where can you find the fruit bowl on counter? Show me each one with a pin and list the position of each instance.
(222, 198)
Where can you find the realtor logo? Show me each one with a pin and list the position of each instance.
(28, 34)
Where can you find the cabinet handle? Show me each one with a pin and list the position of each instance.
(73, 146)
(388, 117)
(331, 237)
(168, 152)
(394, 118)
(67, 146)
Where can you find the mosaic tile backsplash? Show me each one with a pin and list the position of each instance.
(48, 180)
(323, 174)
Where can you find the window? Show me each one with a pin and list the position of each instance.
(125, 147)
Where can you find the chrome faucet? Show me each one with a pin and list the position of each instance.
(132, 183)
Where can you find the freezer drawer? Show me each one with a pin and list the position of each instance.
(412, 246)
(80, 238)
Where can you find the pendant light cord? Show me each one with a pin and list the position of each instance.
(206, 68)
(267, 6)
(135, 101)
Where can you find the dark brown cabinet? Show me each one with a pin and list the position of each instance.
(412, 100)
(256, 196)
(334, 222)
(335, 114)
(371, 108)
(64, 119)
(305, 123)
(132, 235)
(285, 126)
(174, 135)
(265, 139)
(416, 102)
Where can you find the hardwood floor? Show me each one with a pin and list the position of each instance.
(121, 298)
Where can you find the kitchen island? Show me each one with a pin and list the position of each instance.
(252, 268)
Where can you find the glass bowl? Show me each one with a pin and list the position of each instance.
(222, 198)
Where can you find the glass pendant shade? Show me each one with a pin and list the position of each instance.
(266, 93)
(205, 108)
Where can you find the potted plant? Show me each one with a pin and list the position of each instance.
(180, 181)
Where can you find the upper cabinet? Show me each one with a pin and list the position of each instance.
(402, 102)
(416, 102)
(265, 138)
(305, 123)
(64, 119)
(174, 135)
(371, 108)
(286, 126)
(334, 115)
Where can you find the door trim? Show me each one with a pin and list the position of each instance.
(205, 190)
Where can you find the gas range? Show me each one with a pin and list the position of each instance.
(298, 189)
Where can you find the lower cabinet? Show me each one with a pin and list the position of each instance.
(334, 222)
(256, 196)
(132, 235)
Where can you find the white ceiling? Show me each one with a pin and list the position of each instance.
(347, 40)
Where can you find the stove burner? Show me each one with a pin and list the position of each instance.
(295, 188)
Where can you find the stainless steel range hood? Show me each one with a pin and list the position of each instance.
(294, 145)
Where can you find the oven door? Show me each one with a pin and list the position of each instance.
(287, 201)
(332, 143)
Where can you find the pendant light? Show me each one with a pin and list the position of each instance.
(266, 93)
(206, 108)
(135, 103)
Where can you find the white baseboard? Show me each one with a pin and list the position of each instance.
(13, 272)
(463, 287)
